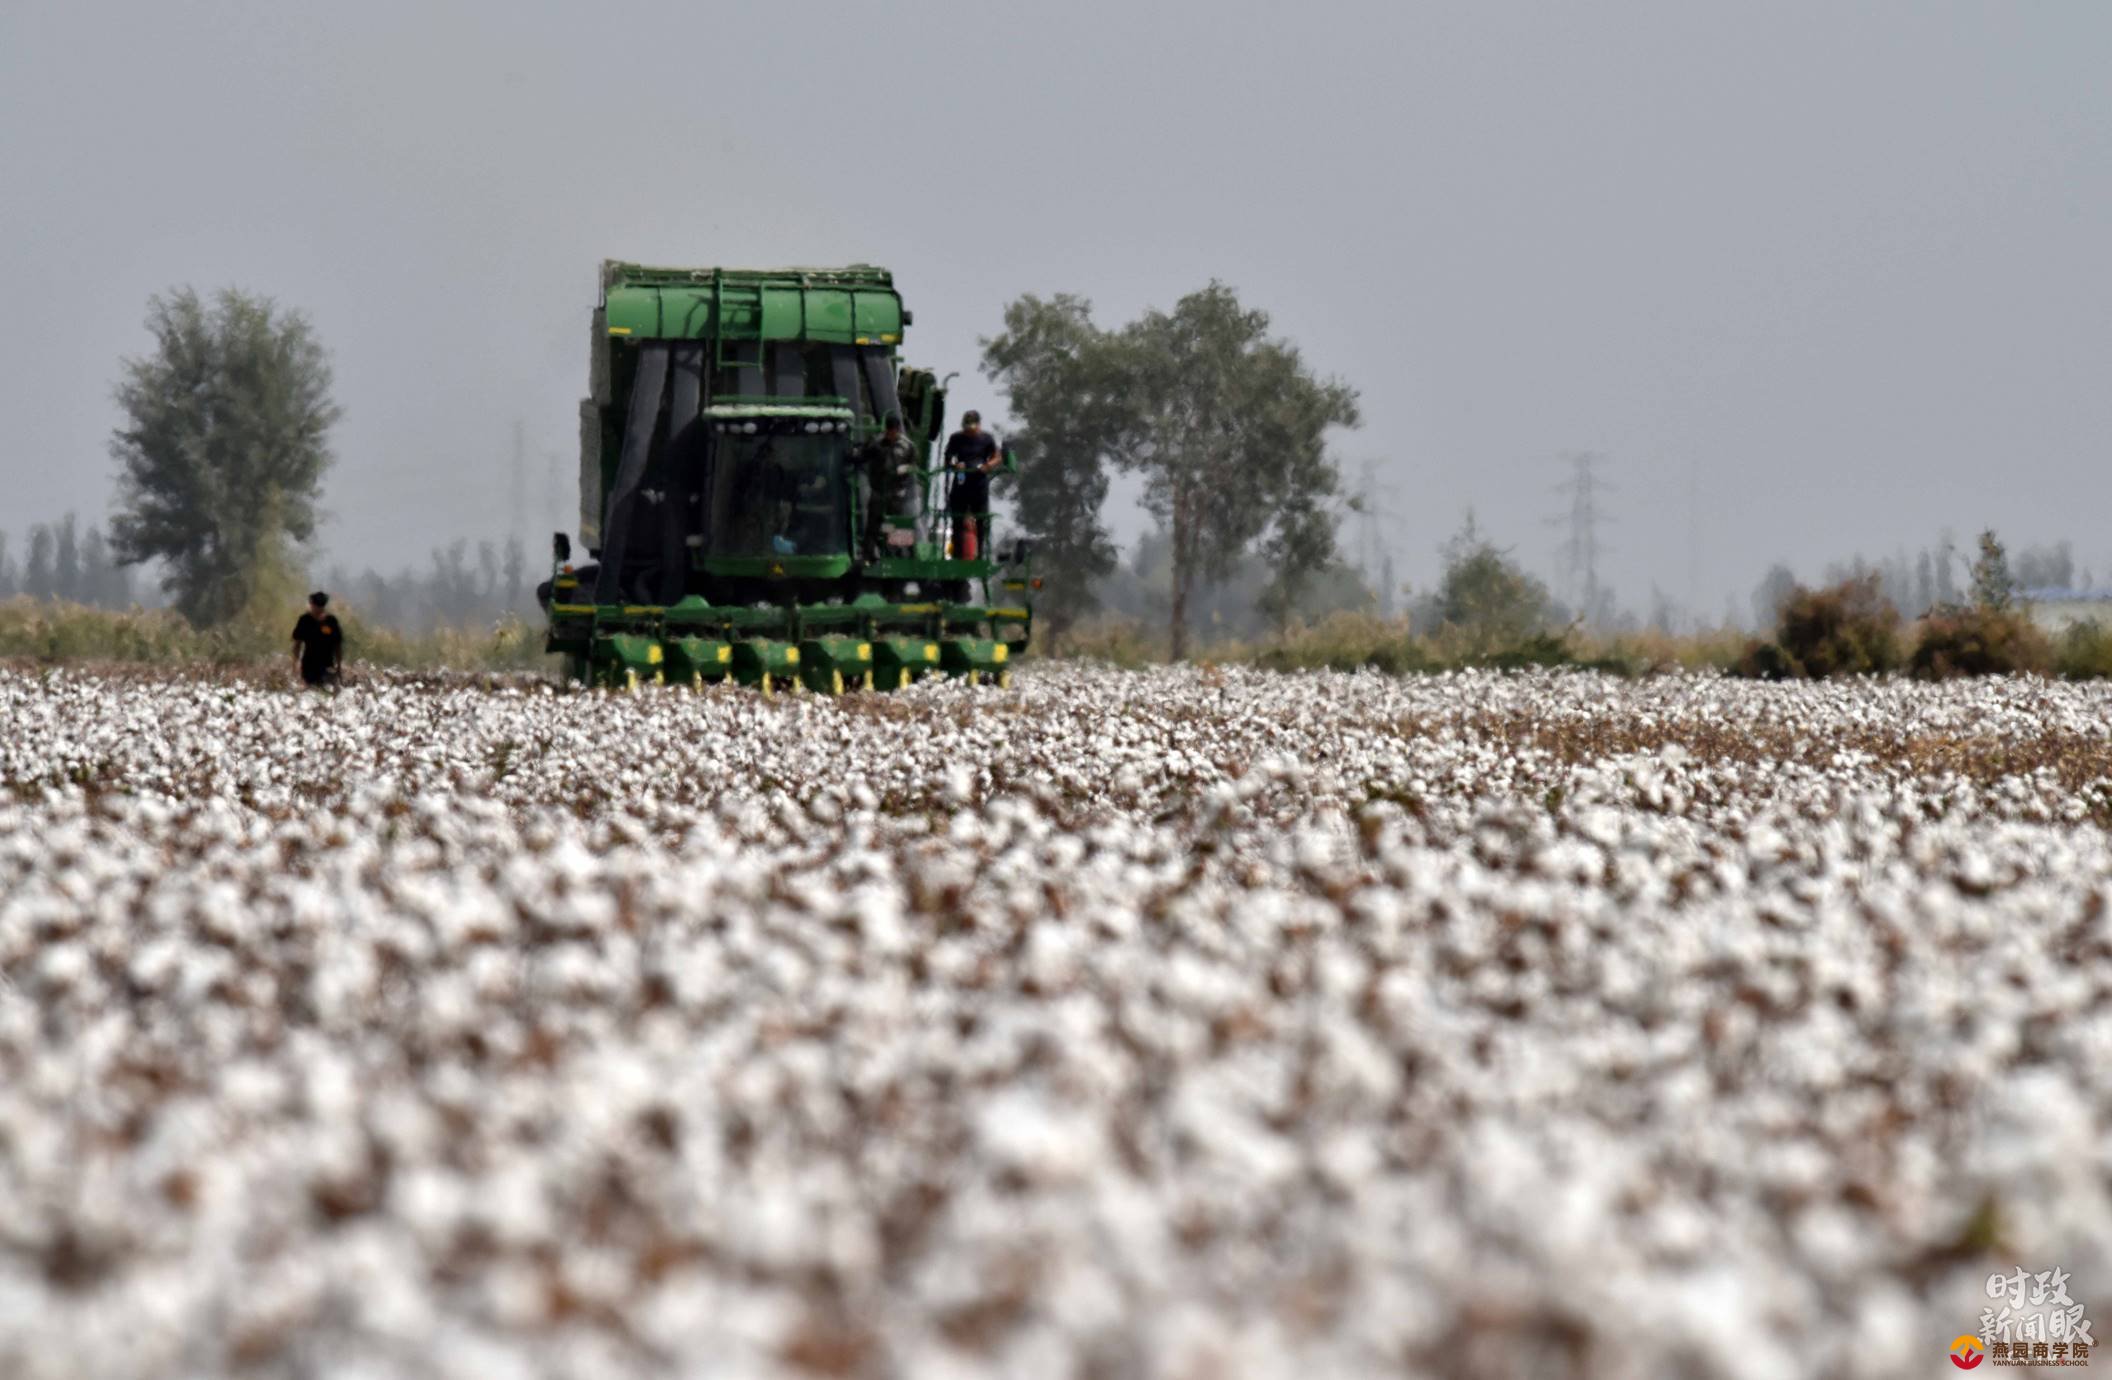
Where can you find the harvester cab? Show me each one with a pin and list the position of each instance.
(774, 485)
(729, 523)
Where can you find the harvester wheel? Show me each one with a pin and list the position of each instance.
(1004, 680)
(865, 680)
(630, 680)
(835, 682)
(764, 685)
(974, 678)
(902, 679)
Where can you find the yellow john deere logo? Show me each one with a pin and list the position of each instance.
(777, 567)
(1966, 1353)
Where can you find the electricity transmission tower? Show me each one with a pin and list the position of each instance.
(1583, 516)
(1368, 505)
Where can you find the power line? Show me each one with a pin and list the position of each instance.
(519, 485)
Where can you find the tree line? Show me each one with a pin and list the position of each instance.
(224, 432)
(1936, 577)
(462, 585)
(1853, 627)
(63, 562)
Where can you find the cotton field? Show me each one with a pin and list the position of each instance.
(1186, 1024)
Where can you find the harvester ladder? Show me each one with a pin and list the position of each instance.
(737, 324)
(736, 311)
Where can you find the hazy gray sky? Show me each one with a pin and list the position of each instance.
(1824, 276)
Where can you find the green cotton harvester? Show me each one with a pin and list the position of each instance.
(728, 515)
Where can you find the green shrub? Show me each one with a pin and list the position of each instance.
(47, 630)
(1651, 649)
(1485, 604)
(1346, 640)
(1764, 661)
(1118, 641)
(1979, 641)
(2084, 653)
(1539, 649)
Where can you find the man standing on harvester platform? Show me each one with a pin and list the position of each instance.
(890, 482)
(318, 643)
(971, 454)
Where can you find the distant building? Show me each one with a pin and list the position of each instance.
(2057, 610)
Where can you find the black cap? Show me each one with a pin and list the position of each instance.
(971, 418)
(319, 599)
(891, 419)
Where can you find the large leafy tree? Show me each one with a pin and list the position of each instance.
(223, 445)
(1224, 424)
(1068, 396)
(1229, 435)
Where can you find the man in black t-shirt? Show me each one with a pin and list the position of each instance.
(971, 454)
(318, 643)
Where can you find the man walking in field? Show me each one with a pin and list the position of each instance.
(318, 644)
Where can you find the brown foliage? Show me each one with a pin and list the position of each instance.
(1979, 641)
(1848, 629)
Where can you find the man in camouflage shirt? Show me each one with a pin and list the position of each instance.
(890, 464)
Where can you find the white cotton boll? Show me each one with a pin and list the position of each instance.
(1053, 956)
(1357, 1063)
(1833, 1241)
(377, 1271)
(511, 1203)
(882, 925)
(1675, 1229)
(1350, 1159)
(493, 975)
(775, 1228)
(331, 1087)
(430, 1201)
(63, 966)
(1045, 1142)
(253, 1089)
(1231, 1137)
(515, 1294)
